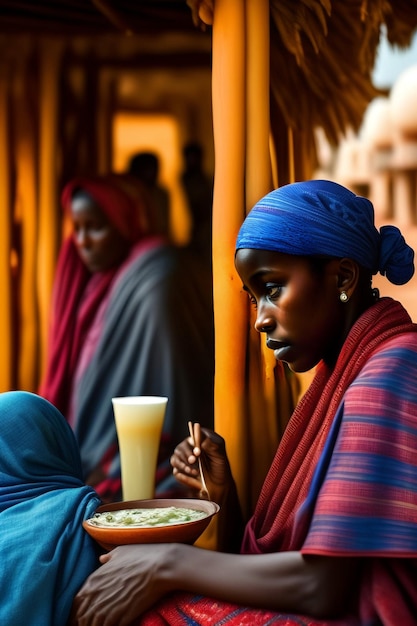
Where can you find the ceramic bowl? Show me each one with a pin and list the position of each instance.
(187, 532)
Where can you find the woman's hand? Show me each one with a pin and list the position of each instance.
(219, 481)
(217, 472)
(126, 585)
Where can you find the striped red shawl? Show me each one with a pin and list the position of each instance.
(287, 484)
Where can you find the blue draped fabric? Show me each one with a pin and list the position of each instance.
(45, 554)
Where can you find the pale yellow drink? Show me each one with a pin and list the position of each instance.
(139, 421)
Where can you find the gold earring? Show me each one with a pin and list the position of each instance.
(343, 297)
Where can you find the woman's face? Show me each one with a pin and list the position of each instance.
(298, 308)
(98, 243)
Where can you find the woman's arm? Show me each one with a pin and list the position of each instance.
(133, 578)
(287, 581)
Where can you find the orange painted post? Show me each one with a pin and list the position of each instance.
(229, 114)
(49, 223)
(26, 213)
(5, 216)
(262, 385)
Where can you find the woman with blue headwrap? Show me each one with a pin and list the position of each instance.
(45, 554)
(333, 536)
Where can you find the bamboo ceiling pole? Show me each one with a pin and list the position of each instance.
(5, 216)
(258, 159)
(230, 304)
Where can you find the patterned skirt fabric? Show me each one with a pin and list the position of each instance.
(183, 609)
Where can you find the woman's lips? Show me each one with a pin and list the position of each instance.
(273, 344)
(279, 347)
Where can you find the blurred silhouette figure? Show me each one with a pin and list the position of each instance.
(198, 189)
(131, 315)
(145, 167)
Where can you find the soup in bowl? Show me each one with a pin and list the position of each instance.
(180, 520)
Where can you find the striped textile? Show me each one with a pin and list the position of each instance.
(368, 502)
(367, 505)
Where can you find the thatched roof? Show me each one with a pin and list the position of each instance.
(323, 53)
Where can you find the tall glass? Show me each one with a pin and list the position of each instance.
(139, 421)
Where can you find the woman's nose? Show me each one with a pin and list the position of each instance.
(264, 322)
(81, 237)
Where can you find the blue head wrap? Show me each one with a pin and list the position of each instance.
(320, 217)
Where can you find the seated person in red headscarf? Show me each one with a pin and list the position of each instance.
(131, 315)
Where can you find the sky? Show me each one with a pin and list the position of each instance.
(391, 62)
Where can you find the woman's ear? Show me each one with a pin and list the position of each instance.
(348, 276)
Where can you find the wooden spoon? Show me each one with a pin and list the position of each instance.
(195, 434)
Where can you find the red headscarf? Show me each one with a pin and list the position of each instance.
(120, 197)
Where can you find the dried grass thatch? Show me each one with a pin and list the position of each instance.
(322, 56)
(324, 52)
